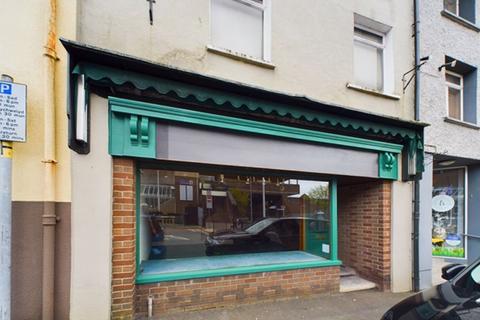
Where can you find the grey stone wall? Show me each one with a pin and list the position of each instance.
(441, 36)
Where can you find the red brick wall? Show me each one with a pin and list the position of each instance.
(196, 294)
(129, 300)
(123, 245)
(364, 222)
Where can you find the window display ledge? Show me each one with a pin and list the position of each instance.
(462, 123)
(460, 20)
(144, 279)
(373, 92)
(241, 57)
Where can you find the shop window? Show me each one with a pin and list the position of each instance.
(462, 8)
(371, 55)
(448, 213)
(236, 220)
(241, 26)
(461, 91)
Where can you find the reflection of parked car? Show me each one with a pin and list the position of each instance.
(456, 299)
(269, 234)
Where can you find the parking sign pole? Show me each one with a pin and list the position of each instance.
(5, 223)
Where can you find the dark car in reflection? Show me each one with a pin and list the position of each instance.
(456, 299)
(267, 235)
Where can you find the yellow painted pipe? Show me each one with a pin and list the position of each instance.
(49, 154)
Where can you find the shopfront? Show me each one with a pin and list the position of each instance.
(222, 193)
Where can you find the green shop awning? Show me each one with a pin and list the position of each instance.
(113, 69)
(223, 99)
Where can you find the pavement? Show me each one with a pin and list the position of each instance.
(359, 305)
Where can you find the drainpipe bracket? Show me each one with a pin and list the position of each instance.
(49, 220)
(52, 161)
(51, 53)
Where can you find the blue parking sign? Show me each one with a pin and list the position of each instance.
(5, 88)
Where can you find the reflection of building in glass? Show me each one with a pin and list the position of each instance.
(448, 224)
(182, 210)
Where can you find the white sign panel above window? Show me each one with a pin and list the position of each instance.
(13, 111)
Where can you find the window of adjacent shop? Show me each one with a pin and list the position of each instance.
(232, 220)
(461, 91)
(242, 26)
(372, 55)
(449, 213)
(462, 8)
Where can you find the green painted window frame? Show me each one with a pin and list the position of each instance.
(332, 262)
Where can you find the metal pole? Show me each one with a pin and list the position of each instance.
(5, 224)
(416, 185)
(263, 198)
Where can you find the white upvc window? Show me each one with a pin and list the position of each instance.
(454, 90)
(186, 192)
(452, 6)
(242, 27)
(369, 58)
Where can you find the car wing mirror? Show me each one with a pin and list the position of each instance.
(451, 270)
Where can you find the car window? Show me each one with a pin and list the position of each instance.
(476, 274)
(468, 283)
(259, 226)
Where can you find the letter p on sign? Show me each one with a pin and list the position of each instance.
(5, 88)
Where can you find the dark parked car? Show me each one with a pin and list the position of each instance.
(456, 299)
(269, 234)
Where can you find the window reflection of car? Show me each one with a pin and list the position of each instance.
(458, 298)
(269, 234)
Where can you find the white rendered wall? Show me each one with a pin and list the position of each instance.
(401, 236)
(312, 44)
(90, 296)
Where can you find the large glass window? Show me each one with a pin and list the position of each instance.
(202, 218)
(448, 213)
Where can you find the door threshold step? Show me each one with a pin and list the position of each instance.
(355, 283)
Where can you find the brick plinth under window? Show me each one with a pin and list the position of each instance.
(197, 294)
(123, 246)
(364, 224)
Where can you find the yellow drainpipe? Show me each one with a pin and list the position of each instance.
(49, 218)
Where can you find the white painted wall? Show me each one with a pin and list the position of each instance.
(312, 44)
(92, 222)
(401, 236)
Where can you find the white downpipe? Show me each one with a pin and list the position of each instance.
(150, 307)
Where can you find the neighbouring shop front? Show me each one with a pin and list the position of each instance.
(454, 207)
(222, 193)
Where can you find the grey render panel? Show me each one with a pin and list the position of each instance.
(226, 148)
(473, 227)
(470, 97)
(467, 10)
(425, 222)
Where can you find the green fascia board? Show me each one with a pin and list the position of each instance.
(223, 100)
(161, 112)
(144, 279)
